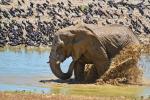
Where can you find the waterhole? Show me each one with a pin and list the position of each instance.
(21, 69)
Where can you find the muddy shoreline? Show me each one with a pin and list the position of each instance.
(80, 92)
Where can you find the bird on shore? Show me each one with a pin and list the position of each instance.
(22, 1)
(5, 14)
(12, 12)
(107, 22)
(22, 10)
(146, 29)
(5, 25)
(31, 4)
(47, 2)
(140, 21)
(19, 3)
(147, 16)
(141, 11)
(45, 5)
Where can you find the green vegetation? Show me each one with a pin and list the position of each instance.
(97, 90)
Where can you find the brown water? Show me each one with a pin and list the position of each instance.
(21, 69)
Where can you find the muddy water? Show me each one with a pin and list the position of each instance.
(21, 69)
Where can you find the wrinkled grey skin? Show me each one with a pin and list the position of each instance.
(88, 44)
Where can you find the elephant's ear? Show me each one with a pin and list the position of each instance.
(79, 34)
(67, 38)
(78, 43)
(76, 52)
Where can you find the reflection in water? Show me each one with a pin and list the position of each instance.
(23, 68)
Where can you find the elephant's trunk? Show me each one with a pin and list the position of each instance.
(55, 67)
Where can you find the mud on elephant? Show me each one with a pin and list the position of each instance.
(88, 44)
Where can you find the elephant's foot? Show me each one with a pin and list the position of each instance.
(79, 77)
(78, 81)
(85, 73)
(90, 73)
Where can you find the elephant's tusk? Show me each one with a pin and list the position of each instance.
(57, 62)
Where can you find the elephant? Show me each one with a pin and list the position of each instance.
(88, 44)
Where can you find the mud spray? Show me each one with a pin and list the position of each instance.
(124, 68)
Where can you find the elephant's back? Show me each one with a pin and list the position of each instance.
(113, 38)
(114, 33)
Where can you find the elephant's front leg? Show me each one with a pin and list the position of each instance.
(79, 71)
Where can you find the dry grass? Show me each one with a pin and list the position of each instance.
(27, 96)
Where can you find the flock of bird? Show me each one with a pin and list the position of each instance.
(34, 24)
